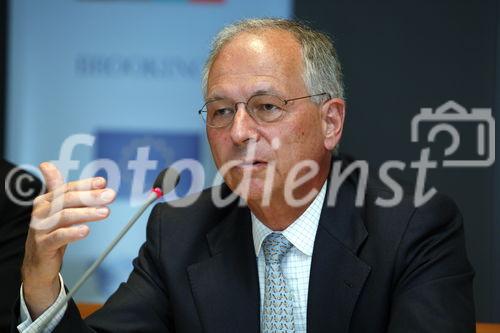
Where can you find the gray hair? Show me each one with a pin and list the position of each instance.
(322, 70)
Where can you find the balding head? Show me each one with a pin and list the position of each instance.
(321, 68)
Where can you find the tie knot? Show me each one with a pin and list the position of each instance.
(275, 247)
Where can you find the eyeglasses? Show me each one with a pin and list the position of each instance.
(263, 108)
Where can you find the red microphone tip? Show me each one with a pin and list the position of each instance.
(158, 192)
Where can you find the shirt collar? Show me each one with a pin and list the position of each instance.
(301, 233)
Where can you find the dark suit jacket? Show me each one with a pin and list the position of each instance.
(13, 230)
(373, 270)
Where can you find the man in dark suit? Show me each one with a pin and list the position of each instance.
(300, 256)
(16, 195)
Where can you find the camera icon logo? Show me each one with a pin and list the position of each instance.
(450, 113)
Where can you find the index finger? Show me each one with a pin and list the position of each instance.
(88, 184)
(51, 175)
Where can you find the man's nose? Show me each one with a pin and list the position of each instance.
(244, 127)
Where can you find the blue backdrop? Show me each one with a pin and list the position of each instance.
(128, 74)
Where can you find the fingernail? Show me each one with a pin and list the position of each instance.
(107, 195)
(82, 230)
(103, 211)
(98, 182)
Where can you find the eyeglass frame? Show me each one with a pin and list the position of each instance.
(285, 102)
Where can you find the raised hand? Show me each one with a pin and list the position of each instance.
(56, 221)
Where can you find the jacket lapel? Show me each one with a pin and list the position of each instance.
(337, 274)
(225, 286)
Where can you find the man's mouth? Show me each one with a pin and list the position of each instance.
(252, 164)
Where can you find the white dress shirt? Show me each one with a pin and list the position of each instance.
(28, 325)
(296, 264)
(296, 267)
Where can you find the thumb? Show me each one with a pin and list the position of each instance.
(51, 175)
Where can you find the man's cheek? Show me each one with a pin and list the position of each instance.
(218, 154)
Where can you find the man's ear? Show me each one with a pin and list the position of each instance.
(332, 117)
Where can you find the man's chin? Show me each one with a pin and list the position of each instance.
(253, 191)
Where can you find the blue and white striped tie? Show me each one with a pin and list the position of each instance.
(277, 315)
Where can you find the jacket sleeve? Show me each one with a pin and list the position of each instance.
(14, 225)
(433, 284)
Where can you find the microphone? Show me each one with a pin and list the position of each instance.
(165, 182)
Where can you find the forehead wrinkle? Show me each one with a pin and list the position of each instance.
(268, 85)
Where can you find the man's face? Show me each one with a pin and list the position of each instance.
(268, 62)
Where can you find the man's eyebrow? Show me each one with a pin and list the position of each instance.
(266, 91)
(271, 91)
(215, 97)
